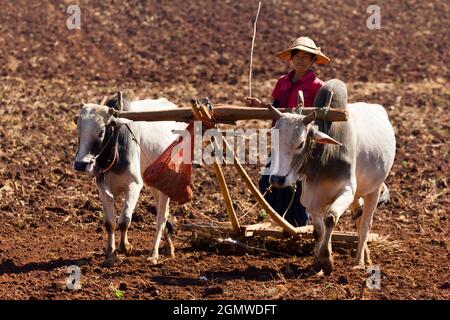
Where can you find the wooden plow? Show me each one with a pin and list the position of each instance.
(229, 114)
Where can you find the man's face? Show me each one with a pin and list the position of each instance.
(302, 60)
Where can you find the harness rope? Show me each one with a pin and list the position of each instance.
(103, 171)
(294, 189)
(268, 189)
(137, 142)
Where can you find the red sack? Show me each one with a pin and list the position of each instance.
(171, 173)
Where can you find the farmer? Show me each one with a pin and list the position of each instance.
(302, 53)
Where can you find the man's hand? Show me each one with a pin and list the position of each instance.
(253, 102)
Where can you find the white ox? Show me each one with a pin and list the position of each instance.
(344, 168)
(100, 135)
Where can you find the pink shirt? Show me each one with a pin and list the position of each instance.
(286, 92)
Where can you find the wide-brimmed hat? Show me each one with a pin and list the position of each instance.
(307, 45)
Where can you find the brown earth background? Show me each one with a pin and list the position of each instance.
(51, 218)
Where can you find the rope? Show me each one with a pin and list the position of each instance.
(325, 122)
(294, 189)
(325, 110)
(103, 171)
(112, 163)
(102, 149)
(210, 219)
(137, 142)
(246, 246)
(268, 189)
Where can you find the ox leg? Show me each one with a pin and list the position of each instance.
(364, 225)
(318, 234)
(107, 200)
(324, 259)
(131, 199)
(155, 194)
(356, 209)
(161, 219)
(170, 248)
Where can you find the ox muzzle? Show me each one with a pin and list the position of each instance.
(277, 181)
(84, 166)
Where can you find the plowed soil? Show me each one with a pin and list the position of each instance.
(51, 217)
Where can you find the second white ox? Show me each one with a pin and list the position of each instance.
(107, 150)
(344, 167)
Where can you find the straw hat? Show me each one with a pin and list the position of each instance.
(307, 45)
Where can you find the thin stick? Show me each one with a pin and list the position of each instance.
(251, 54)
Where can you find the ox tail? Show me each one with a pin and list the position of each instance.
(384, 196)
(382, 201)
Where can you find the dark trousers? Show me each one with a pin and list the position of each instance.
(279, 199)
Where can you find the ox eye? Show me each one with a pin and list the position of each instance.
(301, 145)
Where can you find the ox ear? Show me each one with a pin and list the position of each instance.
(275, 113)
(309, 118)
(75, 119)
(322, 138)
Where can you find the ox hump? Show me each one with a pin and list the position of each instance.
(152, 104)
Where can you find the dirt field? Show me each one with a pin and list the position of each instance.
(51, 218)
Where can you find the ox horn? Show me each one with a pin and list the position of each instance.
(300, 103)
(301, 100)
(276, 114)
(120, 98)
(102, 103)
(309, 118)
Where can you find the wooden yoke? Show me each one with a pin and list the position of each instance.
(226, 113)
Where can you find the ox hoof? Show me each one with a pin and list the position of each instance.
(323, 264)
(153, 260)
(110, 261)
(169, 251)
(359, 266)
(126, 250)
(312, 271)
